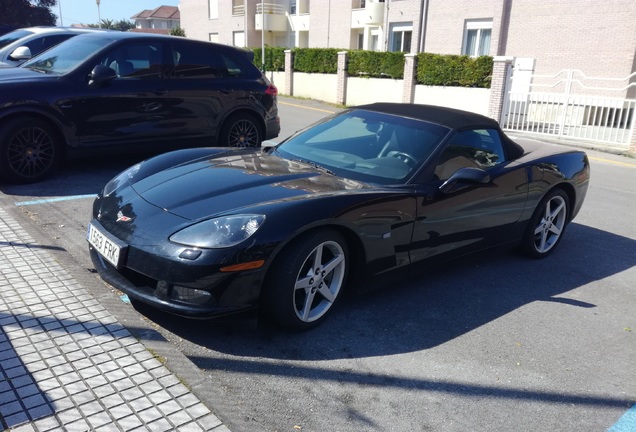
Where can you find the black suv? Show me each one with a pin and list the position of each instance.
(104, 93)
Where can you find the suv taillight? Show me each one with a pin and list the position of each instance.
(271, 90)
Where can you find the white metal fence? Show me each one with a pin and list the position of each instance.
(569, 104)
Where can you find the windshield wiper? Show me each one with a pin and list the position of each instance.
(37, 69)
(315, 165)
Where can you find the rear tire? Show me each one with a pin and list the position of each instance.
(241, 130)
(547, 225)
(29, 150)
(306, 280)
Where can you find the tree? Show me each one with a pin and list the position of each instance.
(177, 31)
(124, 25)
(26, 13)
(121, 25)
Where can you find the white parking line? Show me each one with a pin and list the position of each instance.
(627, 423)
(49, 200)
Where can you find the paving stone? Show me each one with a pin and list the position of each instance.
(140, 404)
(91, 408)
(161, 425)
(10, 408)
(77, 426)
(67, 364)
(129, 423)
(169, 407)
(99, 419)
(104, 391)
(41, 411)
(16, 419)
(120, 411)
(150, 414)
(209, 422)
(24, 428)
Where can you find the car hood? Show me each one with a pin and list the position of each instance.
(230, 184)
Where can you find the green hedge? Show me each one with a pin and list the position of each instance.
(454, 70)
(432, 69)
(316, 60)
(274, 58)
(376, 64)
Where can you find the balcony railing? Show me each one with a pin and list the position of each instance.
(371, 14)
(272, 17)
(270, 8)
(238, 10)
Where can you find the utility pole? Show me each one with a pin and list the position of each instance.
(263, 38)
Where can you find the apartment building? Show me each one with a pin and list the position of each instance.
(596, 37)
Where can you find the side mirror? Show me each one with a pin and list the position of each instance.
(463, 177)
(101, 75)
(22, 53)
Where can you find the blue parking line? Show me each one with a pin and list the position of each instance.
(50, 200)
(627, 423)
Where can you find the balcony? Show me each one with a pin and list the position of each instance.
(371, 15)
(272, 17)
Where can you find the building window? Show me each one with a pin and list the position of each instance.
(213, 9)
(238, 39)
(292, 7)
(401, 37)
(214, 37)
(238, 8)
(477, 36)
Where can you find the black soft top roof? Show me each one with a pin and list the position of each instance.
(449, 117)
(452, 118)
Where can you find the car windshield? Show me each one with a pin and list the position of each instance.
(366, 145)
(13, 36)
(67, 56)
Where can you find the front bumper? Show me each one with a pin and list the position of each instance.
(194, 288)
(272, 127)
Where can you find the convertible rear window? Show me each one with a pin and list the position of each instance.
(367, 145)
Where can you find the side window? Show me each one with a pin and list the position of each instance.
(233, 68)
(478, 148)
(36, 46)
(51, 41)
(193, 61)
(136, 60)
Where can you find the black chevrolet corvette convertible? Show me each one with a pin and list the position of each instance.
(289, 227)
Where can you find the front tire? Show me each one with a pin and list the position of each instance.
(547, 225)
(306, 280)
(29, 150)
(241, 130)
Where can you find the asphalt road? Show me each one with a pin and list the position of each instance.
(495, 342)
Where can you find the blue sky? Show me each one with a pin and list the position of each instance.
(85, 11)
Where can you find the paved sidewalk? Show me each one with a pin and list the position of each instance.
(67, 364)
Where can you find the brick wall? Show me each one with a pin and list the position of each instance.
(404, 11)
(597, 37)
(446, 21)
(330, 24)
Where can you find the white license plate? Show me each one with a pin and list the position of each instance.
(106, 247)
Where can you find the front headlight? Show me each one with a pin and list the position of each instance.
(221, 232)
(121, 178)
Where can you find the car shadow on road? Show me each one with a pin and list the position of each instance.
(76, 177)
(428, 309)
